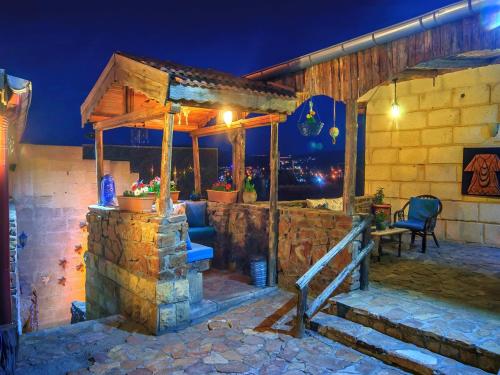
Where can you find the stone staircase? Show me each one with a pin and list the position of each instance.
(413, 332)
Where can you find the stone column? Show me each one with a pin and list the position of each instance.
(136, 266)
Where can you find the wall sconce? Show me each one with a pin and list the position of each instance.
(228, 118)
(395, 108)
(78, 249)
(63, 262)
(23, 239)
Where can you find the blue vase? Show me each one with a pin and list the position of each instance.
(108, 191)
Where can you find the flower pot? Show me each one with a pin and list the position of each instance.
(249, 196)
(222, 196)
(136, 204)
(385, 208)
(175, 196)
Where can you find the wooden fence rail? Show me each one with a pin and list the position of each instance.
(361, 257)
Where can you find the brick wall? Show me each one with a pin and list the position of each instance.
(52, 188)
(422, 152)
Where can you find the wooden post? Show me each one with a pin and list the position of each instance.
(99, 161)
(351, 143)
(364, 269)
(165, 204)
(273, 206)
(237, 140)
(196, 165)
(301, 312)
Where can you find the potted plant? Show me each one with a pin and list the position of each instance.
(223, 192)
(154, 189)
(379, 205)
(137, 199)
(380, 221)
(249, 193)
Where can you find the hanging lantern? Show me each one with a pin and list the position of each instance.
(312, 124)
(334, 131)
(395, 108)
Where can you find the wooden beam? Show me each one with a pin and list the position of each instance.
(165, 205)
(99, 161)
(264, 120)
(273, 206)
(196, 166)
(135, 117)
(351, 143)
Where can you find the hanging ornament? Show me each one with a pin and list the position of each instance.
(312, 124)
(185, 112)
(334, 131)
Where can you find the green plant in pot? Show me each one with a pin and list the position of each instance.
(249, 193)
(380, 220)
(379, 205)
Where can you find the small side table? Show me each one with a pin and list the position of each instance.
(378, 234)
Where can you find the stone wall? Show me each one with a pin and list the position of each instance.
(14, 269)
(52, 188)
(422, 152)
(305, 235)
(136, 266)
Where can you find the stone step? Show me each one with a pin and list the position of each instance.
(392, 351)
(467, 335)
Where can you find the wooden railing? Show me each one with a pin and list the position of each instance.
(360, 257)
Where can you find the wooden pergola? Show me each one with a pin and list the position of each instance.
(138, 92)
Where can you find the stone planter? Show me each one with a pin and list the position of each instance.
(175, 196)
(249, 196)
(136, 204)
(222, 196)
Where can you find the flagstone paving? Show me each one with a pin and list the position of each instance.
(251, 339)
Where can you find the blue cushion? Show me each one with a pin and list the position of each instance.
(421, 209)
(196, 213)
(201, 234)
(199, 252)
(410, 224)
(189, 244)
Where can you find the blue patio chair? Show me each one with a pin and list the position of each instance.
(423, 211)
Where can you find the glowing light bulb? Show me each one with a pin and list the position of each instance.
(395, 110)
(228, 117)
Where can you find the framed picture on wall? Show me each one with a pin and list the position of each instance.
(481, 171)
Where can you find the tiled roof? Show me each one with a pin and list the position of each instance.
(209, 78)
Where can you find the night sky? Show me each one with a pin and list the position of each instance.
(63, 46)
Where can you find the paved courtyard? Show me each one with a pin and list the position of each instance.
(251, 339)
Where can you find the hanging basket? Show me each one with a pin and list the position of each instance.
(307, 129)
(311, 124)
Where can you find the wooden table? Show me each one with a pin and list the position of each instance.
(378, 234)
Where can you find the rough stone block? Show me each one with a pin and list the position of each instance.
(380, 139)
(446, 190)
(413, 155)
(435, 99)
(489, 74)
(384, 156)
(492, 234)
(448, 154)
(404, 173)
(408, 103)
(437, 136)
(464, 231)
(489, 213)
(420, 86)
(441, 172)
(485, 114)
(463, 211)
(391, 188)
(461, 78)
(405, 138)
(167, 317)
(472, 95)
(411, 189)
(495, 93)
(412, 120)
(379, 123)
(379, 106)
(377, 172)
(471, 134)
(444, 117)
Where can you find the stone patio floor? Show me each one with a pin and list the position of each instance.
(251, 339)
(221, 285)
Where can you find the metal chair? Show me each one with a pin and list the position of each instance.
(421, 218)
